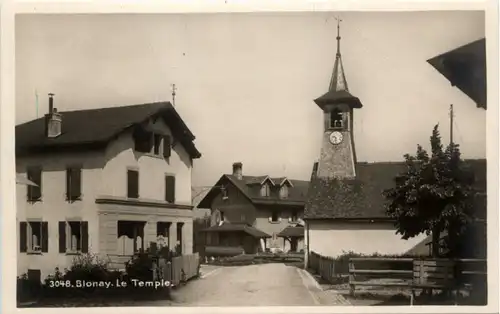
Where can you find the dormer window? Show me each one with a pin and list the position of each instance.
(265, 190)
(284, 191)
(152, 143)
(336, 119)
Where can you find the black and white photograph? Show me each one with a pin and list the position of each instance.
(253, 159)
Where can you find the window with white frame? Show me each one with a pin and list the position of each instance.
(73, 237)
(284, 191)
(265, 190)
(33, 236)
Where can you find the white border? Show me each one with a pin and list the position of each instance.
(7, 118)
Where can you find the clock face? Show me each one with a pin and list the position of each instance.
(336, 137)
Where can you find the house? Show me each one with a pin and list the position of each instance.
(345, 209)
(251, 211)
(109, 181)
(465, 68)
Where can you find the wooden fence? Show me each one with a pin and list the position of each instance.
(324, 267)
(180, 269)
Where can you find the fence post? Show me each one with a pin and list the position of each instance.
(351, 278)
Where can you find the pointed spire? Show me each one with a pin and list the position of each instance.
(338, 81)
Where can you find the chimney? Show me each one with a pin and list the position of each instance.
(53, 120)
(238, 170)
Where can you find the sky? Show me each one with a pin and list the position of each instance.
(246, 82)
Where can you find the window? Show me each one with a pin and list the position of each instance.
(156, 144)
(222, 218)
(225, 193)
(163, 230)
(133, 184)
(143, 140)
(35, 192)
(294, 217)
(170, 189)
(179, 237)
(73, 184)
(33, 236)
(336, 119)
(284, 191)
(265, 190)
(73, 237)
(275, 217)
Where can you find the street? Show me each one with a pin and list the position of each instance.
(254, 285)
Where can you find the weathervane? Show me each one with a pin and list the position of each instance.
(338, 35)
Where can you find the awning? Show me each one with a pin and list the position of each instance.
(22, 180)
(228, 227)
(292, 232)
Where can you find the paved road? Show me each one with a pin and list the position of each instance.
(255, 285)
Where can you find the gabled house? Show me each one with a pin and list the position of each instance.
(251, 211)
(108, 181)
(465, 68)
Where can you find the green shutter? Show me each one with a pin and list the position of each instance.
(167, 147)
(170, 189)
(23, 236)
(85, 236)
(62, 236)
(45, 236)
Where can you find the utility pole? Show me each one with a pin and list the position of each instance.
(173, 94)
(451, 124)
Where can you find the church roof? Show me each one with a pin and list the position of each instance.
(338, 91)
(362, 198)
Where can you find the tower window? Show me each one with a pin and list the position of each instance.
(336, 119)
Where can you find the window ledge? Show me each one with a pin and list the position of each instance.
(34, 253)
(293, 221)
(274, 222)
(73, 253)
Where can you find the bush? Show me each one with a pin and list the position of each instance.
(27, 289)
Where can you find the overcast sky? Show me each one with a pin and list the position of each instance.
(246, 82)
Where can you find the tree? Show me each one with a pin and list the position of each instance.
(433, 195)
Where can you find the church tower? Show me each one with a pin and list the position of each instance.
(338, 155)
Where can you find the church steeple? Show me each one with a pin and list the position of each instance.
(338, 81)
(338, 91)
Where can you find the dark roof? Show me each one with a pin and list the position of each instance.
(465, 68)
(291, 231)
(232, 227)
(85, 129)
(250, 187)
(362, 198)
(335, 97)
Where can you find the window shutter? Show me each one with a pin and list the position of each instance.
(85, 236)
(35, 192)
(68, 183)
(167, 147)
(62, 236)
(132, 184)
(76, 178)
(23, 236)
(170, 189)
(45, 236)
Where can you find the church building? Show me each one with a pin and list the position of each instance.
(345, 210)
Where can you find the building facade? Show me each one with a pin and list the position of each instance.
(251, 211)
(109, 181)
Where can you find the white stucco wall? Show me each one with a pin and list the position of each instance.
(104, 174)
(120, 155)
(54, 207)
(334, 238)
